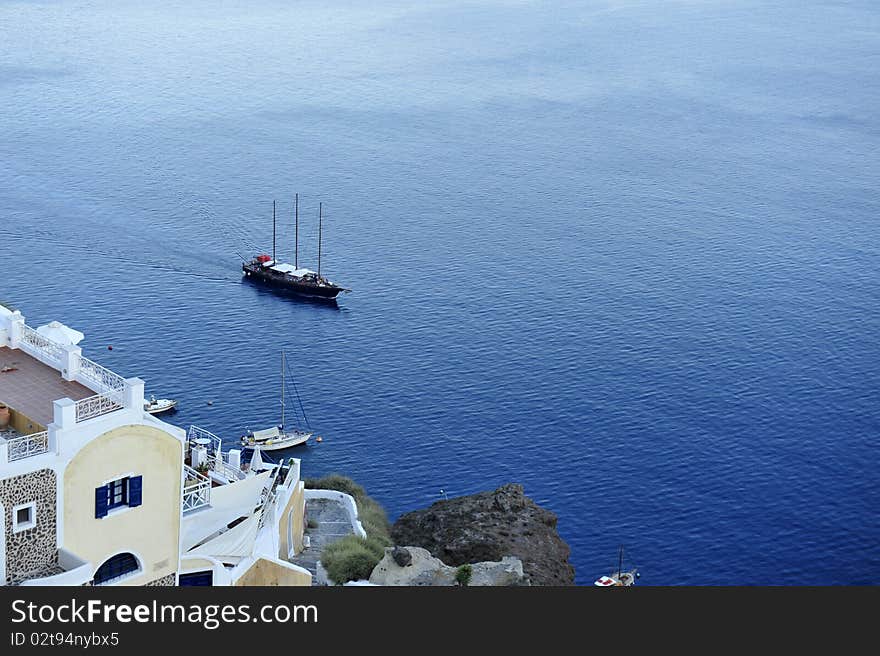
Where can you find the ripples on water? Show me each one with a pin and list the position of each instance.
(624, 256)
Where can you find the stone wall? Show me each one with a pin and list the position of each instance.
(32, 552)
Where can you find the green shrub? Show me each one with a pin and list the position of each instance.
(463, 574)
(350, 559)
(336, 482)
(373, 517)
(376, 544)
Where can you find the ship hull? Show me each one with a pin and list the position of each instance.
(278, 443)
(161, 405)
(285, 282)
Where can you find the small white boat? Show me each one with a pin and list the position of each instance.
(618, 578)
(154, 406)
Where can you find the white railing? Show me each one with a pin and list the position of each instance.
(292, 478)
(269, 500)
(95, 406)
(100, 378)
(195, 433)
(27, 446)
(217, 460)
(109, 385)
(33, 343)
(196, 490)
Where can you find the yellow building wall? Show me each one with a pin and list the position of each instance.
(265, 572)
(24, 424)
(151, 531)
(297, 504)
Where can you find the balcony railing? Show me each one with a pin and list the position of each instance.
(293, 471)
(217, 460)
(109, 385)
(269, 498)
(196, 490)
(195, 433)
(42, 348)
(95, 406)
(26, 446)
(100, 378)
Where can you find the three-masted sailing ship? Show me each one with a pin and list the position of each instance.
(291, 277)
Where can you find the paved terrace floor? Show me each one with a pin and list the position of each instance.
(29, 386)
(333, 524)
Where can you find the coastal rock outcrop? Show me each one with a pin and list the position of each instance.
(424, 569)
(401, 556)
(487, 527)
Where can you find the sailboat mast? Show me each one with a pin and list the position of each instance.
(273, 230)
(282, 389)
(296, 237)
(320, 230)
(620, 562)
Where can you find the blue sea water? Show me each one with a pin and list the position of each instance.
(623, 253)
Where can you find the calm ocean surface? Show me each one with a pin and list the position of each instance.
(624, 253)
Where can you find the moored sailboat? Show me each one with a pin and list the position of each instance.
(619, 578)
(276, 437)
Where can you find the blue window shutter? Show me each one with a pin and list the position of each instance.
(135, 485)
(101, 494)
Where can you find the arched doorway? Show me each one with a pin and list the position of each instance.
(117, 567)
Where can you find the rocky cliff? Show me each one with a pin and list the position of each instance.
(410, 566)
(487, 527)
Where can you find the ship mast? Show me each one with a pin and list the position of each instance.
(273, 230)
(282, 390)
(320, 226)
(296, 237)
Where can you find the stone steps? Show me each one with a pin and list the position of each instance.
(332, 524)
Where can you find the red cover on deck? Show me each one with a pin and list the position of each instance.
(263, 258)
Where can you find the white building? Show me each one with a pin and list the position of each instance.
(93, 490)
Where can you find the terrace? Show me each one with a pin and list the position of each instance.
(29, 387)
(44, 382)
